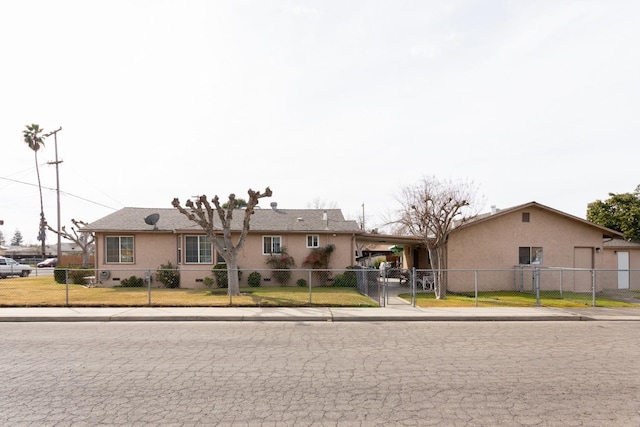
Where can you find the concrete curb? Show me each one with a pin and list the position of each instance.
(310, 314)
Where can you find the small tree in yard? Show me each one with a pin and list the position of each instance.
(620, 212)
(430, 210)
(81, 238)
(202, 213)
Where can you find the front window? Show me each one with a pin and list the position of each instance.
(219, 258)
(119, 249)
(313, 241)
(271, 245)
(198, 250)
(530, 255)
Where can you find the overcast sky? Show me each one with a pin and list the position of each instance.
(345, 102)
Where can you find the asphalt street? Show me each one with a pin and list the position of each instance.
(320, 373)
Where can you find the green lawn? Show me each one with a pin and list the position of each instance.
(45, 292)
(515, 299)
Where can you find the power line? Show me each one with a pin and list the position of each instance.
(61, 192)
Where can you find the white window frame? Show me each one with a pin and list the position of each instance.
(200, 255)
(121, 249)
(276, 247)
(313, 241)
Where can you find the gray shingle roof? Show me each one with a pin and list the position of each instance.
(265, 220)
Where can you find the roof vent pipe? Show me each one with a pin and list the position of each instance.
(274, 206)
(494, 210)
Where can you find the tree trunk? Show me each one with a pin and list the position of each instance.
(41, 231)
(440, 287)
(232, 274)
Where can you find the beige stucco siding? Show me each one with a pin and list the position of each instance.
(153, 249)
(493, 244)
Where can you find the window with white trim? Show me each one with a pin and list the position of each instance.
(119, 249)
(271, 245)
(198, 250)
(530, 255)
(313, 241)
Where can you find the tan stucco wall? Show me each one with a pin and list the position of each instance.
(153, 249)
(493, 245)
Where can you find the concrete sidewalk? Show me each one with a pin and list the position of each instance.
(306, 314)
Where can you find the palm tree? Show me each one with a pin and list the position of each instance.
(34, 139)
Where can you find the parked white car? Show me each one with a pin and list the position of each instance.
(10, 267)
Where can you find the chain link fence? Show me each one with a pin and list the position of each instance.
(524, 285)
(197, 287)
(357, 286)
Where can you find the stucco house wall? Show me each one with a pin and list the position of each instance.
(166, 243)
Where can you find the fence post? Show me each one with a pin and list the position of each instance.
(475, 279)
(310, 287)
(561, 270)
(66, 281)
(536, 284)
(593, 287)
(382, 287)
(149, 286)
(412, 284)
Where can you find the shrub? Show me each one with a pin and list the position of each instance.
(319, 257)
(208, 282)
(281, 263)
(60, 275)
(168, 275)
(254, 279)
(348, 279)
(132, 282)
(75, 275)
(221, 275)
(302, 283)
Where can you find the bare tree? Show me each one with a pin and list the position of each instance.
(319, 203)
(81, 238)
(431, 209)
(202, 213)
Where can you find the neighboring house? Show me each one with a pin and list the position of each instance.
(622, 257)
(506, 244)
(526, 236)
(126, 245)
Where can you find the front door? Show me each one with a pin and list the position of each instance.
(623, 270)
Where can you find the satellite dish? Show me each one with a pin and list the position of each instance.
(152, 220)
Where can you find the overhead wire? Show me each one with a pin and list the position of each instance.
(61, 192)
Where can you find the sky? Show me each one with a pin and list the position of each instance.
(329, 103)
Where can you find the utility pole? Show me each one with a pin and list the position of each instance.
(57, 162)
